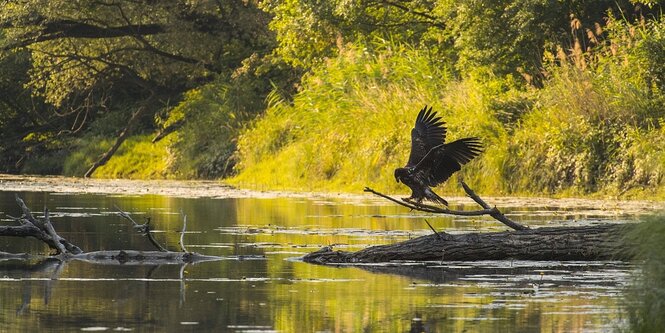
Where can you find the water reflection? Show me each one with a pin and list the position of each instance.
(262, 288)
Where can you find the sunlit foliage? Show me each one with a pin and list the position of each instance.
(594, 126)
(350, 125)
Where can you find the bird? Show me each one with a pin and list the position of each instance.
(432, 161)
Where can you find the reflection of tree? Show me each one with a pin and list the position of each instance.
(50, 269)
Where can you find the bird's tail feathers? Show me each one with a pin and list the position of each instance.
(430, 195)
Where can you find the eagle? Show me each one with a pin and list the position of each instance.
(432, 161)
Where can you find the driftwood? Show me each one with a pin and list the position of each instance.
(600, 242)
(595, 242)
(43, 230)
(487, 210)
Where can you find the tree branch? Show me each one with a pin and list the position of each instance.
(487, 210)
(72, 29)
(182, 233)
(120, 138)
(142, 228)
(42, 230)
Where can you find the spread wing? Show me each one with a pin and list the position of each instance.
(428, 133)
(444, 160)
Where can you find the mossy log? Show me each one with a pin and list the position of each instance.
(596, 242)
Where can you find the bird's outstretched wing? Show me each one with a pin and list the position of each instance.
(444, 160)
(428, 133)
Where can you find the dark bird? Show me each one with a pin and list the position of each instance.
(432, 161)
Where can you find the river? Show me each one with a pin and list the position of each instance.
(260, 285)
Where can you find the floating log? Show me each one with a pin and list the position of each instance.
(594, 242)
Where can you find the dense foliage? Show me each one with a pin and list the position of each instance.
(306, 94)
(116, 68)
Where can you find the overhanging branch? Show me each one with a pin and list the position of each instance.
(72, 29)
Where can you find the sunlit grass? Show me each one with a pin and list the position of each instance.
(350, 126)
(595, 130)
(137, 158)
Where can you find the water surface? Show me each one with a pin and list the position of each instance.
(261, 286)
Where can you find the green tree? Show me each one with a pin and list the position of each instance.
(499, 37)
(91, 58)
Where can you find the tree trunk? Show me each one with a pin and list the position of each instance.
(598, 242)
(120, 138)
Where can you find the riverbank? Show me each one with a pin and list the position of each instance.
(217, 189)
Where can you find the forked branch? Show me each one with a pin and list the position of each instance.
(487, 209)
(42, 229)
(142, 228)
(39, 229)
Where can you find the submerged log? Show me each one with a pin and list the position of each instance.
(596, 242)
(134, 257)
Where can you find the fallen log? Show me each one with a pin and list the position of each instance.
(39, 229)
(594, 242)
(43, 230)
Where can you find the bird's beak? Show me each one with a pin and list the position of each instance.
(397, 179)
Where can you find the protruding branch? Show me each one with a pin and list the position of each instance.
(182, 234)
(48, 227)
(43, 230)
(432, 209)
(40, 229)
(142, 228)
(496, 214)
(487, 210)
(434, 230)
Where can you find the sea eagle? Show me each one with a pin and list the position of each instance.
(432, 161)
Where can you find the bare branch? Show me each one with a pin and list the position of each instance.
(434, 230)
(142, 228)
(487, 210)
(182, 233)
(432, 209)
(48, 227)
(42, 230)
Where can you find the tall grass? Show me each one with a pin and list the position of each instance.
(596, 128)
(349, 127)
